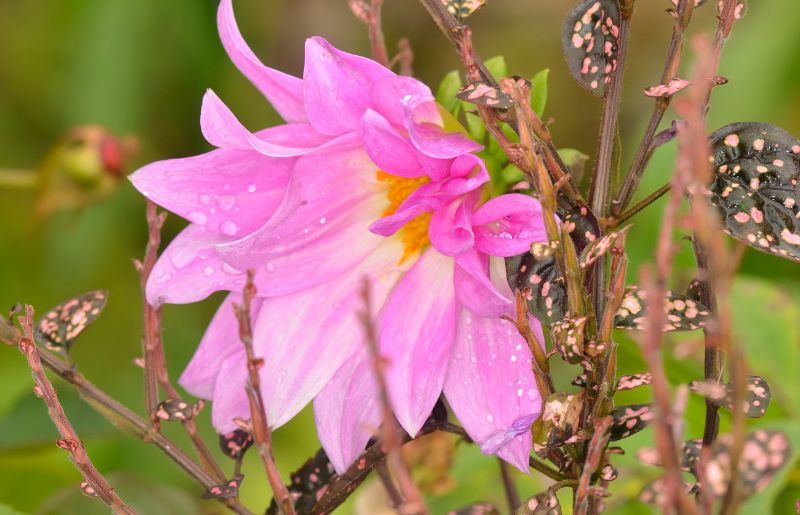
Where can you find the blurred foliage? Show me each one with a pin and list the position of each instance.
(140, 68)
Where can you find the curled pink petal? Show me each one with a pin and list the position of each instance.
(450, 229)
(283, 91)
(508, 224)
(475, 288)
(424, 125)
(388, 148)
(392, 94)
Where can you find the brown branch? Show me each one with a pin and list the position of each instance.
(412, 500)
(260, 426)
(69, 441)
(155, 362)
(510, 489)
(371, 16)
(594, 457)
(614, 221)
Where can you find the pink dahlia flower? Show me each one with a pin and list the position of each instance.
(361, 182)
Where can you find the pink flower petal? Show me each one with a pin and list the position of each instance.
(321, 228)
(283, 91)
(424, 125)
(220, 341)
(337, 86)
(508, 224)
(391, 95)
(229, 400)
(348, 411)
(388, 148)
(450, 229)
(189, 269)
(475, 287)
(490, 386)
(416, 338)
(231, 192)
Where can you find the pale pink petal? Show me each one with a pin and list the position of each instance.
(424, 125)
(450, 228)
(416, 338)
(391, 96)
(491, 388)
(222, 129)
(508, 224)
(390, 151)
(321, 228)
(189, 269)
(229, 399)
(337, 86)
(283, 91)
(348, 411)
(220, 341)
(227, 191)
(475, 287)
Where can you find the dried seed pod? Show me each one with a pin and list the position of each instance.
(59, 327)
(682, 313)
(755, 186)
(755, 404)
(590, 40)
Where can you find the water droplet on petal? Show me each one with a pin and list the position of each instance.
(229, 228)
(204, 199)
(270, 267)
(251, 188)
(489, 418)
(198, 217)
(226, 202)
(322, 220)
(209, 270)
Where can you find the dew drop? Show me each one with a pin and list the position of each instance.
(198, 217)
(322, 220)
(229, 228)
(251, 188)
(204, 199)
(226, 202)
(270, 267)
(209, 270)
(489, 418)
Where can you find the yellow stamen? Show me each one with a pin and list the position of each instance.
(414, 233)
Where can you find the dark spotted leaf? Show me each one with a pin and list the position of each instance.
(609, 473)
(480, 93)
(560, 422)
(581, 225)
(175, 410)
(755, 403)
(763, 454)
(755, 186)
(541, 283)
(235, 443)
(666, 90)
(580, 381)
(629, 382)
(461, 9)
(309, 482)
(630, 419)
(568, 338)
(599, 247)
(693, 289)
(59, 327)
(543, 503)
(655, 492)
(481, 508)
(682, 313)
(590, 39)
(690, 454)
(225, 490)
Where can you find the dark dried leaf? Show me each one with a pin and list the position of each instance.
(235, 443)
(630, 419)
(581, 225)
(559, 423)
(481, 508)
(480, 93)
(568, 338)
(543, 503)
(175, 410)
(755, 186)
(58, 329)
(755, 403)
(225, 490)
(581, 381)
(629, 382)
(763, 454)
(590, 39)
(682, 313)
(461, 9)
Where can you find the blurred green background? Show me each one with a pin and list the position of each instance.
(141, 67)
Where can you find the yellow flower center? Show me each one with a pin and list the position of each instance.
(414, 233)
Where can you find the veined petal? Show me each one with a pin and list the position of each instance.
(490, 386)
(220, 341)
(229, 399)
(508, 224)
(222, 129)
(450, 229)
(391, 96)
(321, 228)
(475, 288)
(228, 191)
(348, 411)
(283, 91)
(424, 125)
(416, 337)
(337, 86)
(189, 269)
(388, 148)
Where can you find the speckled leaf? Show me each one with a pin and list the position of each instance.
(308, 483)
(693, 289)
(225, 490)
(568, 338)
(481, 508)
(480, 93)
(590, 40)
(175, 410)
(543, 503)
(690, 454)
(763, 454)
(755, 403)
(541, 283)
(580, 381)
(629, 382)
(235, 443)
(581, 225)
(682, 313)
(609, 473)
(559, 423)
(630, 419)
(461, 9)
(59, 327)
(655, 493)
(599, 247)
(755, 186)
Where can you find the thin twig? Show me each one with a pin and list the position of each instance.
(371, 16)
(614, 221)
(594, 457)
(69, 441)
(260, 426)
(510, 489)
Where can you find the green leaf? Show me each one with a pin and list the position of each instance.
(475, 126)
(511, 174)
(446, 92)
(497, 66)
(575, 161)
(539, 92)
(8, 510)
